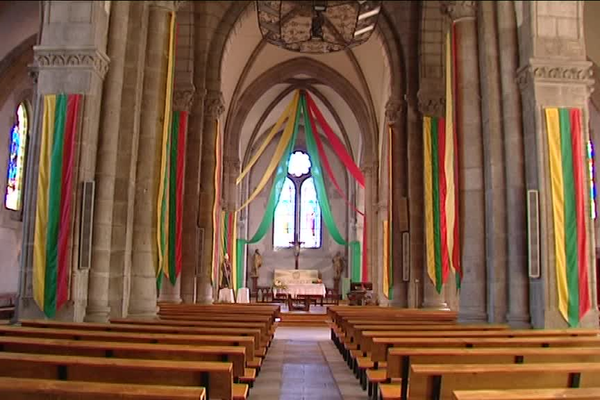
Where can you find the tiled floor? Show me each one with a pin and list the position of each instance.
(303, 364)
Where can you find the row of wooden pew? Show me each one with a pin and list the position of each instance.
(191, 352)
(418, 354)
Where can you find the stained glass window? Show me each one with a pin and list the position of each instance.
(298, 214)
(310, 216)
(285, 216)
(299, 164)
(16, 160)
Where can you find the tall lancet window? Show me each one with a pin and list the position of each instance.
(13, 198)
(298, 215)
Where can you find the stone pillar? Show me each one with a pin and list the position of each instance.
(494, 168)
(70, 58)
(192, 234)
(182, 101)
(554, 72)
(395, 113)
(142, 303)
(512, 132)
(126, 170)
(471, 171)
(431, 104)
(370, 173)
(98, 308)
(214, 107)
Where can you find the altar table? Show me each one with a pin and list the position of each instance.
(294, 290)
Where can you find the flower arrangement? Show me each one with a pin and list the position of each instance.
(277, 284)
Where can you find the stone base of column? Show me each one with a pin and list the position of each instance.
(142, 314)
(518, 321)
(205, 293)
(97, 314)
(170, 293)
(435, 305)
(466, 315)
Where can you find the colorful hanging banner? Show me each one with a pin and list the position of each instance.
(336, 143)
(357, 273)
(451, 160)
(171, 227)
(163, 204)
(280, 150)
(267, 219)
(315, 115)
(569, 213)
(440, 223)
(388, 280)
(289, 112)
(54, 212)
(217, 212)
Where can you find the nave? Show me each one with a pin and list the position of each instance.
(247, 351)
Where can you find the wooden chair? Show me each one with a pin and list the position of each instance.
(7, 305)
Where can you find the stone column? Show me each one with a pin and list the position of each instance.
(98, 308)
(395, 113)
(512, 131)
(471, 171)
(431, 104)
(494, 168)
(370, 173)
(554, 72)
(70, 58)
(192, 237)
(214, 107)
(182, 101)
(142, 303)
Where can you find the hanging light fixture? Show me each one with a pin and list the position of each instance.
(317, 26)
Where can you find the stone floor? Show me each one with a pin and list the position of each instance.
(303, 364)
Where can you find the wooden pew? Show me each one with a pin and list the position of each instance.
(255, 333)
(215, 377)
(233, 354)
(433, 381)
(381, 345)
(47, 389)
(216, 324)
(400, 359)
(529, 394)
(192, 340)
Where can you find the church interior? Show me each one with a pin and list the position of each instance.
(290, 199)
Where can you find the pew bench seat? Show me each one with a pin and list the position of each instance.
(48, 389)
(529, 394)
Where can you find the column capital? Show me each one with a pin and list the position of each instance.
(458, 10)
(215, 103)
(395, 109)
(432, 104)
(556, 72)
(81, 58)
(183, 97)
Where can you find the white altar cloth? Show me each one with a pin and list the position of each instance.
(306, 288)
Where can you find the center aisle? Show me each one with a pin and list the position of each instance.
(303, 364)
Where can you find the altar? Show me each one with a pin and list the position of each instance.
(312, 289)
(298, 282)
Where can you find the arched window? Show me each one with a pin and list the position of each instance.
(16, 159)
(298, 215)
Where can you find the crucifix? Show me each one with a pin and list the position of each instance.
(296, 243)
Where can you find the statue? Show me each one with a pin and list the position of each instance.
(256, 264)
(339, 265)
(226, 273)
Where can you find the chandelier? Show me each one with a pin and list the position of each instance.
(317, 26)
